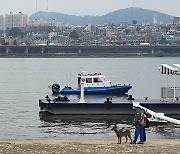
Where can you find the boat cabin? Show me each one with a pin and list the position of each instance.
(93, 80)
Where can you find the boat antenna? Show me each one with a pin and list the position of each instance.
(70, 80)
(67, 79)
(81, 68)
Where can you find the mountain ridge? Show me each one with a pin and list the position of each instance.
(122, 15)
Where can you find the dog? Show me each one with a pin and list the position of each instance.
(122, 132)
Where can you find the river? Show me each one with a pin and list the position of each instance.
(24, 81)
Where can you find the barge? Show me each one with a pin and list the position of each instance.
(108, 107)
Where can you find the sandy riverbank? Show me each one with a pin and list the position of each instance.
(48, 146)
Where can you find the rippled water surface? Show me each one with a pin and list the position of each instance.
(24, 81)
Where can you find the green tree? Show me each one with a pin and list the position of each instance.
(74, 35)
(5, 43)
(127, 31)
(134, 22)
(163, 41)
(138, 29)
(15, 31)
(15, 42)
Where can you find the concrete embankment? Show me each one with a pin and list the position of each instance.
(88, 51)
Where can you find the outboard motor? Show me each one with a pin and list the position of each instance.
(55, 88)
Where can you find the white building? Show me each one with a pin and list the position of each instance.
(155, 19)
(16, 20)
(176, 21)
(41, 22)
(173, 36)
(88, 28)
(1, 22)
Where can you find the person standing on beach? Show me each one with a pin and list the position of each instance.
(144, 123)
(139, 123)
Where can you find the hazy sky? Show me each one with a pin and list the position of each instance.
(87, 7)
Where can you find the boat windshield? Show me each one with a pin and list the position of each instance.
(104, 79)
(97, 80)
(88, 80)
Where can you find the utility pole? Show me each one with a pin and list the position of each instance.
(133, 4)
(36, 6)
(47, 5)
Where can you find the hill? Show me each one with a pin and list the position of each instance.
(123, 15)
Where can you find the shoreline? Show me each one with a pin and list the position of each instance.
(14, 56)
(91, 146)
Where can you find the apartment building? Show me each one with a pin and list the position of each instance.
(176, 21)
(1, 22)
(16, 20)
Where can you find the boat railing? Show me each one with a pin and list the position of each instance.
(170, 92)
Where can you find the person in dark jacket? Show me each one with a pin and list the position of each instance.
(139, 123)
